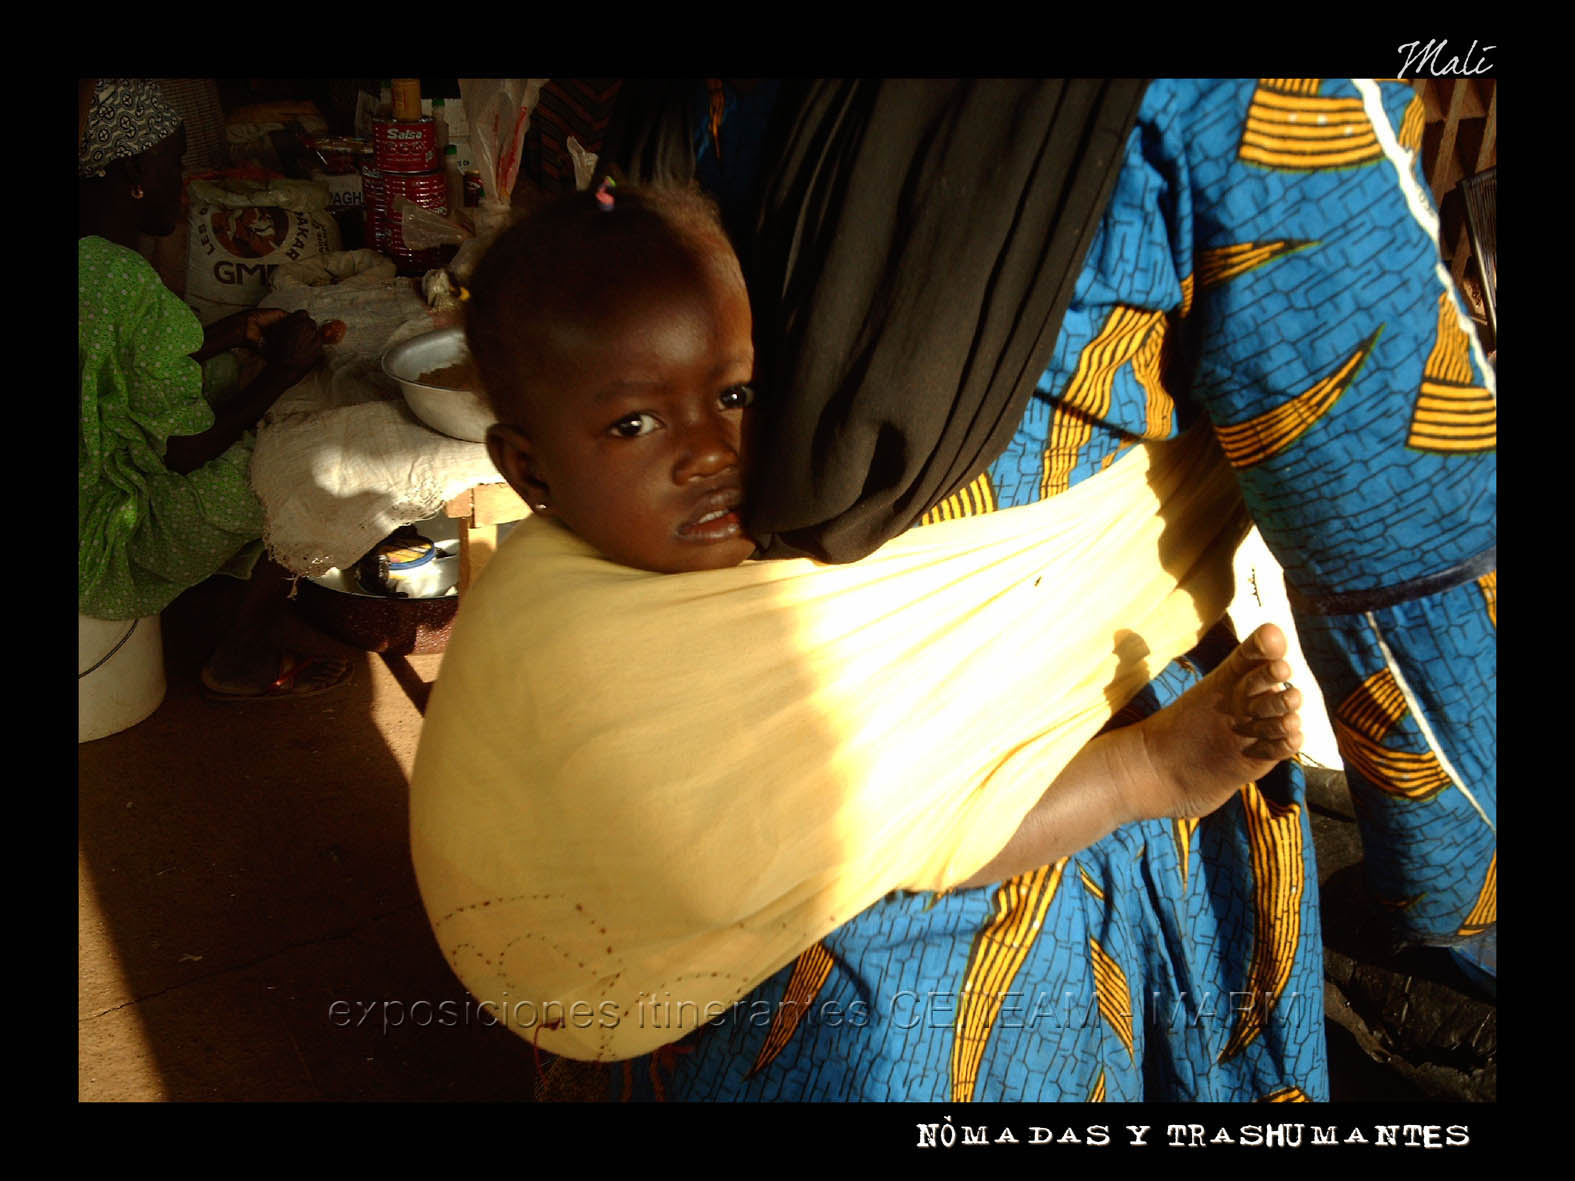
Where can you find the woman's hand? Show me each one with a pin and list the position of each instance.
(290, 345)
(292, 342)
(242, 330)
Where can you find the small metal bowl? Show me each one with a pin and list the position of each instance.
(460, 414)
(334, 603)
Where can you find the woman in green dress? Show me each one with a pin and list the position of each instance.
(164, 499)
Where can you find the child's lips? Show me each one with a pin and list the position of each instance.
(715, 518)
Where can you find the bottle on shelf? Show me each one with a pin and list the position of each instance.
(455, 179)
(440, 118)
(407, 99)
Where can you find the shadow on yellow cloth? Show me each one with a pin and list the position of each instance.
(637, 795)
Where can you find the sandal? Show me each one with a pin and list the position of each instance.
(299, 676)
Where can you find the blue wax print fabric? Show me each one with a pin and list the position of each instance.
(1269, 262)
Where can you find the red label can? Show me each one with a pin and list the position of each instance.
(405, 146)
(375, 201)
(426, 189)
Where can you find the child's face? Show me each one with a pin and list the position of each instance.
(636, 435)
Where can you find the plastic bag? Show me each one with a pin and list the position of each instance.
(584, 164)
(499, 111)
(245, 189)
(422, 228)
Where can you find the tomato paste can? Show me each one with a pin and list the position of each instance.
(409, 146)
(426, 189)
(375, 201)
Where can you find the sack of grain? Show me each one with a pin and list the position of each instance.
(240, 229)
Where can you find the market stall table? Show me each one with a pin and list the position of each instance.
(341, 462)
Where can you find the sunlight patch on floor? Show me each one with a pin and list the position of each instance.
(114, 1057)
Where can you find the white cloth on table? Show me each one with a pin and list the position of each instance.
(340, 461)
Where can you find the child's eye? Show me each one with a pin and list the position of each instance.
(737, 397)
(632, 426)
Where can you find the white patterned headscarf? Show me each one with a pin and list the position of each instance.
(128, 116)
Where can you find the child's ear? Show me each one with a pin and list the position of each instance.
(510, 451)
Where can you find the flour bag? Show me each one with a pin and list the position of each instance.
(241, 229)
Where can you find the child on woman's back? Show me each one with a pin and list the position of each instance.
(612, 331)
(615, 345)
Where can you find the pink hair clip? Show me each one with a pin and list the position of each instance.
(604, 197)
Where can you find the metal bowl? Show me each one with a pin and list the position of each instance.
(334, 603)
(460, 414)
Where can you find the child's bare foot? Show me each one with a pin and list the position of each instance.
(1229, 729)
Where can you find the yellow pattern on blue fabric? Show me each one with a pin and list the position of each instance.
(1089, 884)
(974, 500)
(1287, 1095)
(1221, 264)
(810, 972)
(1185, 831)
(1485, 913)
(1361, 723)
(1412, 125)
(1268, 434)
(1453, 413)
(1128, 334)
(997, 956)
(1114, 995)
(1274, 833)
(1489, 585)
(1289, 127)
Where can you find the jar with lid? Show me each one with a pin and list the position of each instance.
(407, 99)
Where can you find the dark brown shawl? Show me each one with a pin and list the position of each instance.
(914, 250)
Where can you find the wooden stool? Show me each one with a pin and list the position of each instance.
(480, 510)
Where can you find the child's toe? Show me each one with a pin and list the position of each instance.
(1267, 642)
(1262, 727)
(1274, 705)
(1266, 678)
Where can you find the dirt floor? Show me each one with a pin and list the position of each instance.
(250, 927)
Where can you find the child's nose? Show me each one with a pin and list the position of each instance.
(709, 446)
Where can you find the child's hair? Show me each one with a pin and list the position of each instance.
(563, 257)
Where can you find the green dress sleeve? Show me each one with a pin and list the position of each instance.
(145, 534)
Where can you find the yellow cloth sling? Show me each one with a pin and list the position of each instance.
(638, 795)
